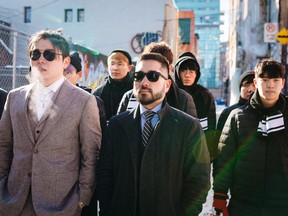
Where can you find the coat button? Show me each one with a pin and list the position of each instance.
(38, 131)
(35, 151)
(29, 174)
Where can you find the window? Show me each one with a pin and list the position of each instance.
(185, 25)
(80, 15)
(68, 15)
(27, 14)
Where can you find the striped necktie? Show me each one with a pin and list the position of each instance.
(147, 130)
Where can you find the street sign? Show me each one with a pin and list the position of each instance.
(282, 36)
(270, 31)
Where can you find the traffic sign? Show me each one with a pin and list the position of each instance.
(282, 36)
(270, 31)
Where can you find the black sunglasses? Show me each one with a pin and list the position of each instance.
(48, 54)
(152, 76)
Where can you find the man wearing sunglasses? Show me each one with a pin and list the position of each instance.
(49, 137)
(154, 159)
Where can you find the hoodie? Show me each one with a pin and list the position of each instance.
(204, 100)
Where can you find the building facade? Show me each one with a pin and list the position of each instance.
(246, 45)
(100, 25)
(91, 27)
(207, 30)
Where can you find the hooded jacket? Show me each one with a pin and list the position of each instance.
(204, 101)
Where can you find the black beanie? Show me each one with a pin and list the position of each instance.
(246, 77)
(76, 61)
(125, 53)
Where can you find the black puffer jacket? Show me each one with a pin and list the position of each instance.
(225, 113)
(222, 119)
(252, 165)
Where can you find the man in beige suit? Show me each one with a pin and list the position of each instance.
(49, 138)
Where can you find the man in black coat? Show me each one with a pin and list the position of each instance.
(118, 82)
(246, 87)
(3, 96)
(166, 173)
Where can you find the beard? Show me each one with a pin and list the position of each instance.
(149, 97)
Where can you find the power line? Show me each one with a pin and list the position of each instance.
(36, 8)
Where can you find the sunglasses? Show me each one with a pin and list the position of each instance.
(48, 54)
(152, 76)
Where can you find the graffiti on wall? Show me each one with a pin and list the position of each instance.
(94, 66)
(140, 40)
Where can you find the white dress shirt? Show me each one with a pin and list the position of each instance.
(42, 96)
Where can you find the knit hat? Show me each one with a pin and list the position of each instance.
(125, 53)
(246, 77)
(76, 61)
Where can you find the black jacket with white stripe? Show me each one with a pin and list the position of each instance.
(253, 162)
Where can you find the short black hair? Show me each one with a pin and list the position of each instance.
(157, 57)
(270, 68)
(189, 64)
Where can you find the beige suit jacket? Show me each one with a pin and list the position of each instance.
(59, 166)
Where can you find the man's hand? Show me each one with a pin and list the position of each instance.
(81, 205)
(220, 203)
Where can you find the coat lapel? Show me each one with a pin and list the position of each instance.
(23, 107)
(130, 123)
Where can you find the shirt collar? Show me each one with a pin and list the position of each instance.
(155, 109)
(54, 86)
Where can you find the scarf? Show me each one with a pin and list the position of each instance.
(270, 119)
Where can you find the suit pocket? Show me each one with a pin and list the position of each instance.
(66, 187)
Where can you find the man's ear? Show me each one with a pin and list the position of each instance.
(255, 82)
(167, 85)
(79, 74)
(130, 67)
(66, 62)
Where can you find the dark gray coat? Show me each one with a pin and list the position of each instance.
(175, 168)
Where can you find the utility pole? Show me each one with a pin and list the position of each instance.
(269, 20)
(283, 23)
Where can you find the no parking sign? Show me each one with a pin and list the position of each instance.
(270, 31)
